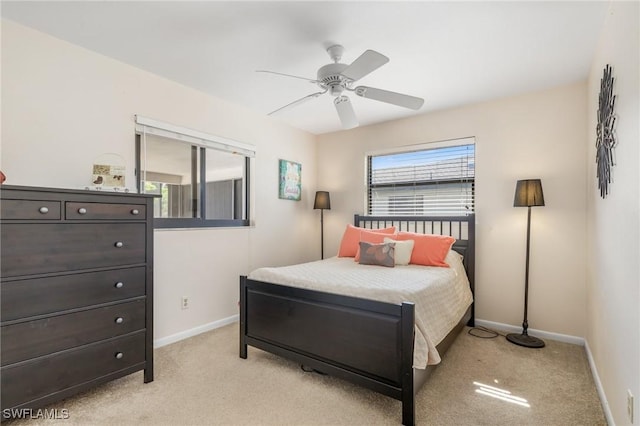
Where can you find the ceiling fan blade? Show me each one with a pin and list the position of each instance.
(345, 112)
(366, 63)
(389, 97)
(310, 80)
(297, 102)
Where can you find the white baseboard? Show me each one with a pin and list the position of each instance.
(194, 331)
(537, 333)
(599, 388)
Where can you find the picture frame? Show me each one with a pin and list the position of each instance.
(290, 180)
(108, 173)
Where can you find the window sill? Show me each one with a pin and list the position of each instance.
(183, 223)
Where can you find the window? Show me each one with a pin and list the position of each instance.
(434, 180)
(200, 180)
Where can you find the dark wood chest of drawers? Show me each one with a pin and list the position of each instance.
(76, 292)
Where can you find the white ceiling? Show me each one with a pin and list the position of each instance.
(449, 53)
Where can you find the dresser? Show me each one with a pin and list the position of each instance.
(76, 284)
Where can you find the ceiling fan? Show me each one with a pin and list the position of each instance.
(336, 78)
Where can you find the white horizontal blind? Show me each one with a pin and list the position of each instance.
(145, 125)
(434, 182)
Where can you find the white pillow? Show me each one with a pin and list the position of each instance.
(403, 250)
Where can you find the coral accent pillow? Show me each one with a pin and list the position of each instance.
(377, 254)
(428, 249)
(373, 237)
(351, 239)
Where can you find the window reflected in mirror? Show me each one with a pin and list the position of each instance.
(168, 173)
(224, 177)
(176, 171)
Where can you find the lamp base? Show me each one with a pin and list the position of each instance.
(525, 340)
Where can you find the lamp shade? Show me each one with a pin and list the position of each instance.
(323, 201)
(528, 193)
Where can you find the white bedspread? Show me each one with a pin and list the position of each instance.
(441, 295)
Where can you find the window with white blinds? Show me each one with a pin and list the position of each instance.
(431, 181)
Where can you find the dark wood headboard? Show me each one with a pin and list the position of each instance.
(462, 228)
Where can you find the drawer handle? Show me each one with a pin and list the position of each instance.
(119, 355)
(82, 210)
(119, 284)
(43, 210)
(119, 320)
(135, 212)
(119, 244)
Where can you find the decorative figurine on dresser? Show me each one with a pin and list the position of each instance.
(76, 292)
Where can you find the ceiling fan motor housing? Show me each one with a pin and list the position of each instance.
(329, 78)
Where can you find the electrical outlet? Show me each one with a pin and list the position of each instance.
(185, 302)
(630, 405)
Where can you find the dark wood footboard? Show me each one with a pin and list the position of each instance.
(366, 342)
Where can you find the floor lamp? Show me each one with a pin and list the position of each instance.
(528, 194)
(322, 202)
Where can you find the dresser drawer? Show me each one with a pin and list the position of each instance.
(26, 298)
(56, 247)
(31, 380)
(61, 332)
(30, 209)
(102, 211)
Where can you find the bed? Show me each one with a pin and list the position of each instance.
(365, 340)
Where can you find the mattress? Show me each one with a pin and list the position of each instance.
(441, 295)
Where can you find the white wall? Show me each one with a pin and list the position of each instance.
(613, 223)
(538, 135)
(63, 106)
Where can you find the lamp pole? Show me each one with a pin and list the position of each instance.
(528, 194)
(321, 233)
(525, 324)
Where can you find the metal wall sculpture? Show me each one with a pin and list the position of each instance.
(605, 132)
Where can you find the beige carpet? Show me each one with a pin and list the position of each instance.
(202, 381)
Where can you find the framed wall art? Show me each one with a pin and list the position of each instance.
(290, 180)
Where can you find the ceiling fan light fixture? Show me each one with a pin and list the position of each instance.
(336, 89)
(336, 77)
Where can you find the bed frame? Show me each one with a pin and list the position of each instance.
(366, 342)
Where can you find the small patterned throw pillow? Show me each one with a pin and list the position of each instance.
(377, 254)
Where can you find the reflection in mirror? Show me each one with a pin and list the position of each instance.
(199, 179)
(224, 192)
(168, 173)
